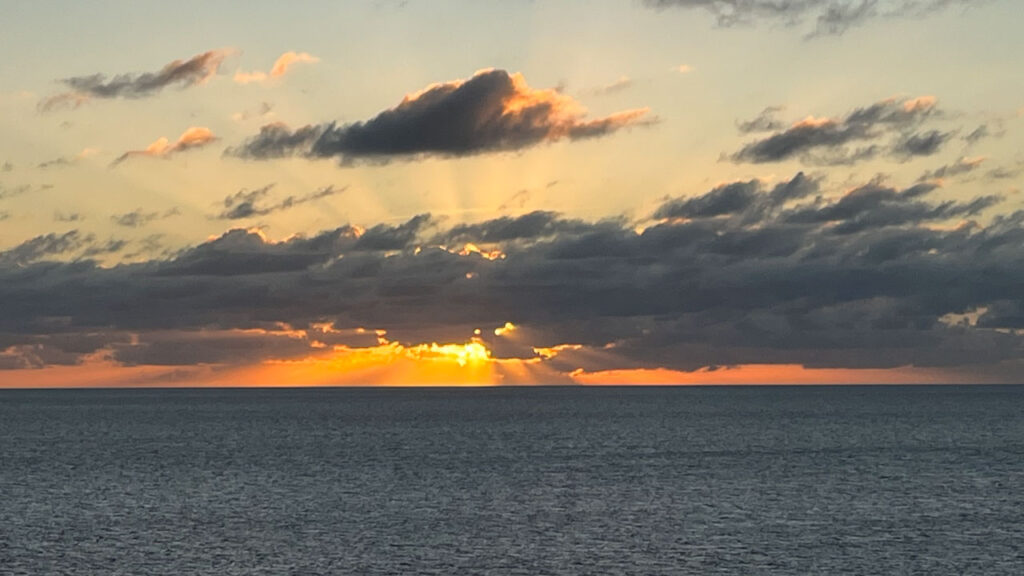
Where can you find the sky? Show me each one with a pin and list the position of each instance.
(521, 192)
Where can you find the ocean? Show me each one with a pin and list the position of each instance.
(532, 481)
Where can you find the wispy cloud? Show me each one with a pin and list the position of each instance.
(829, 141)
(138, 218)
(248, 203)
(63, 161)
(279, 69)
(193, 138)
(181, 73)
(829, 17)
(263, 110)
(618, 85)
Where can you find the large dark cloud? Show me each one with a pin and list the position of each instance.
(829, 17)
(748, 272)
(886, 127)
(181, 73)
(492, 111)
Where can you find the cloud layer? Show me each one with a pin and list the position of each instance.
(746, 273)
(829, 17)
(492, 111)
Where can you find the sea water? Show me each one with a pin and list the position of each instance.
(803, 480)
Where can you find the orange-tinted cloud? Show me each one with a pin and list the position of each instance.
(794, 374)
(192, 138)
(280, 68)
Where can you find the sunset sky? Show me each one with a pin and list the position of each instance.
(520, 192)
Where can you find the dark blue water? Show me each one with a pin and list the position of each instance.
(869, 480)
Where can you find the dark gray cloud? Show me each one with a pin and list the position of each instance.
(59, 162)
(962, 166)
(921, 143)
(876, 206)
(44, 245)
(248, 203)
(766, 121)
(993, 129)
(491, 112)
(829, 17)
(850, 139)
(59, 216)
(6, 167)
(180, 73)
(750, 199)
(748, 272)
(55, 245)
(1006, 172)
(531, 226)
(138, 218)
(18, 190)
(277, 140)
(978, 134)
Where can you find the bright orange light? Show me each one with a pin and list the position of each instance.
(762, 374)
(507, 328)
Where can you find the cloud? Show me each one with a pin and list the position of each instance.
(264, 110)
(998, 173)
(493, 111)
(137, 218)
(64, 161)
(766, 121)
(6, 167)
(184, 74)
(921, 143)
(964, 165)
(985, 131)
(193, 138)
(18, 190)
(750, 200)
(248, 203)
(531, 226)
(622, 83)
(52, 245)
(749, 272)
(876, 206)
(280, 68)
(829, 17)
(59, 216)
(829, 141)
